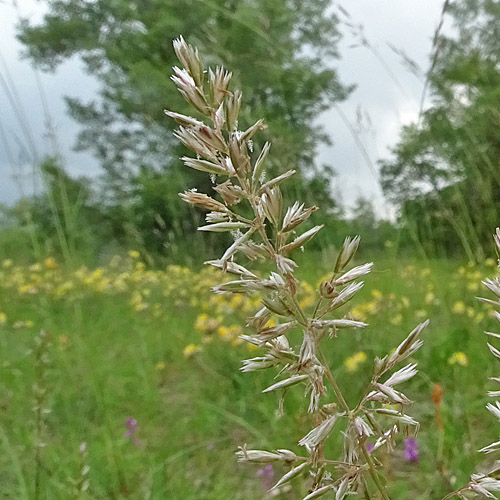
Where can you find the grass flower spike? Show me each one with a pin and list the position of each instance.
(273, 232)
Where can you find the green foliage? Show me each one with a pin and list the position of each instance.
(108, 361)
(378, 235)
(444, 173)
(15, 242)
(156, 224)
(64, 220)
(280, 52)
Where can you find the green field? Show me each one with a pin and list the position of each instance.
(124, 341)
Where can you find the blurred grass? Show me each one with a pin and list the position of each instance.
(117, 337)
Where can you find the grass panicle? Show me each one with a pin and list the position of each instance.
(272, 233)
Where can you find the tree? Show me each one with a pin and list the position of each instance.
(65, 215)
(450, 164)
(281, 51)
(363, 215)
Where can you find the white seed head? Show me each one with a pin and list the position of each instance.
(347, 252)
(493, 285)
(402, 375)
(286, 382)
(285, 265)
(258, 456)
(361, 427)
(317, 435)
(495, 409)
(354, 273)
(295, 471)
(345, 295)
(319, 492)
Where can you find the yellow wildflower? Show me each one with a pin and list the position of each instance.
(478, 317)
(27, 288)
(134, 254)
(420, 314)
(63, 288)
(229, 333)
(3, 318)
(371, 307)
(459, 307)
(352, 362)
(236, 300)
(396, 319)
(137, 302)
(306, 301)
(7, 263)
(161, 365)
(425, 272)
(490, 262)
(205, 323)
(50, 263)
(458, 358)
(358, 313)
(376, 293)
(429, 298)
(190, 350)
(22, 324)
(236, 341)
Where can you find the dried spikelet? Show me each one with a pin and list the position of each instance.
(219, 82)
(203, 200)
(347, 253)
(276, 181)
(271, 203)
(317, 435)
(230, 193)
(238, 153)
(302, 239)
(189, 58)
(233, 105)
(296, 215)
(204, 166)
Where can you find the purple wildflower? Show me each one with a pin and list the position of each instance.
(369, 446)
(411, 449)
(131, 425)
(266, 475)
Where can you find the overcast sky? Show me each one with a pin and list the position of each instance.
(389, 100)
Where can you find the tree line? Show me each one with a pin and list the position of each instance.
(442, 175)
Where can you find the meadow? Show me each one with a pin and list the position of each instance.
(122, 375)
(123, 381)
